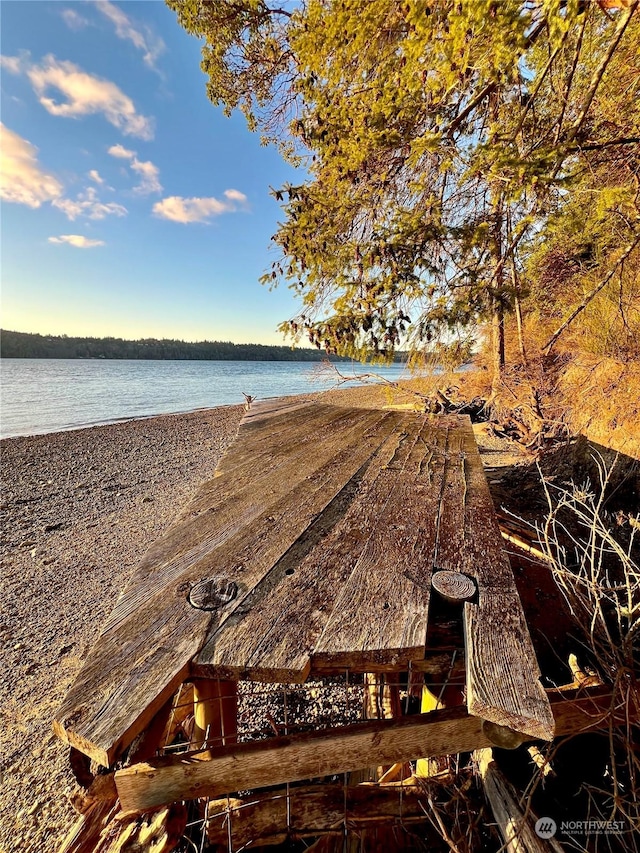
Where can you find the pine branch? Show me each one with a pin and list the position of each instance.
(490, 87)
(597, 146)
(574, 65)
(599, 72)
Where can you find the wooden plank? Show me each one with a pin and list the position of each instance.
(503, 684)
(273, 634)
(287, 759)
(452, 532)
(261, 455)
(235, 497)
(145, 651)
(310, 810)
(381, 614)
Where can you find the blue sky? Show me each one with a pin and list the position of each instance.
(130, 205)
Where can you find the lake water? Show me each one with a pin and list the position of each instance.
(48, 395)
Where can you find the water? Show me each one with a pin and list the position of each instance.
(48, 395)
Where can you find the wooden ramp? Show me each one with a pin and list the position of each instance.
(318, 538)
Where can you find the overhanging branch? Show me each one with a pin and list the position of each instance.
(587, 299)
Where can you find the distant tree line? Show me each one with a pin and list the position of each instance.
(25, 345)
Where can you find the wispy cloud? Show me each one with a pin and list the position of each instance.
(21, 178)
(74, 20)
(76, 240)
(149, 177)
(185, 210)
(86, 95)
(12, 64)
(148, 42)
(88, 204)
(95, 176)
(148, 172)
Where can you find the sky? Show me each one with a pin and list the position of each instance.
(131, 206)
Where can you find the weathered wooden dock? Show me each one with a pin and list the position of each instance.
(316, 550)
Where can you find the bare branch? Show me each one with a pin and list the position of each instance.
(587, 299)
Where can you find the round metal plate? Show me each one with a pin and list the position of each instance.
(212, 593)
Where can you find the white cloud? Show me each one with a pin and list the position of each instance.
(76, 240)
(12, 64)
(151, 44)
(121, 151)
(149, 177)
(148, 171)
(179, 209)
(236, 195)
(21, 178)
(73, 19)
(95, 176)
(88, 204)
(86, 95)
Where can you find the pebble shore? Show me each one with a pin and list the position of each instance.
(79, 510)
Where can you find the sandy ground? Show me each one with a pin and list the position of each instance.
(79, 509)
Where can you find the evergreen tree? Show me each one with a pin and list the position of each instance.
(437, 136)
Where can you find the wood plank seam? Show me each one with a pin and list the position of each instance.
(332, 528)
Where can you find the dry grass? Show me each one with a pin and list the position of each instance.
(598, 574)
(601, 398)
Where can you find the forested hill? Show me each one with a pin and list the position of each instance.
(24, 345)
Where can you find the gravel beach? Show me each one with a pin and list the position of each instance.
(80, 508)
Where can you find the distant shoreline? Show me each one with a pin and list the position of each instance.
(36, 346)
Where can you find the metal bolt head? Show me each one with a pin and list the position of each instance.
(212, 593)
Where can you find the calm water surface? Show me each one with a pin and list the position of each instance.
(48, 395)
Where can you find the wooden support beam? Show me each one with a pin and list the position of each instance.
(309, 811)
(434, 698)
(516, 827)
(434, 663)
(381, 701)
(306, 756)
(381, 697)
(215, 707)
